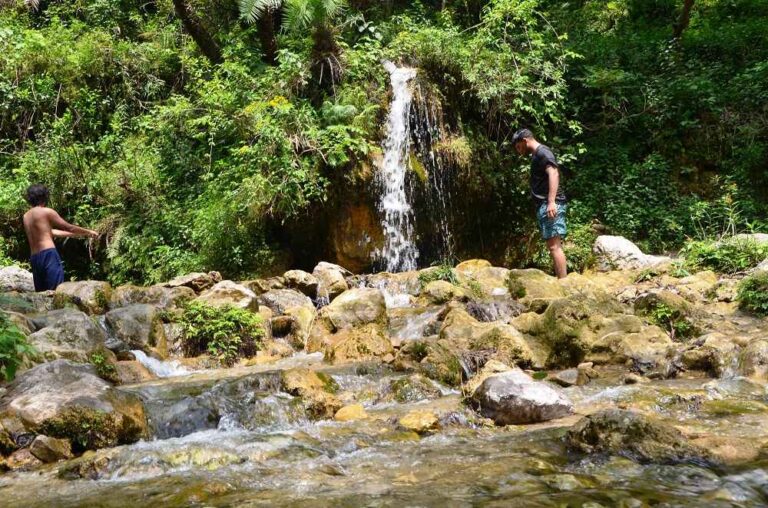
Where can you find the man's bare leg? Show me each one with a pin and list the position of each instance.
(555, 246)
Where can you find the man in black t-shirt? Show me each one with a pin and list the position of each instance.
(547, 194)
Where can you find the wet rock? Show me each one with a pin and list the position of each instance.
(437, 360)
(13, 278)
(439, 291)
(569, 377)
(261, 286)
(230, 293)
(513, 397)
(280, 300)
(159, 296)
(714, 353)
(23, 460)
(49, 449)
(331, 279)
(533, 288)
(350, 413)
(419, 421)
(368, 342)
(90, 296)
(297, 308)
(139, 326)
(67, 333)
(196, 281)
(632, 379)
(130, 372)
(67, 400)
(490, 368)
(413, 388)
(754, 360)
(302, 281)
(472, 266)
(633, 436)
(316, 390)
(618, 253)
(356, 307)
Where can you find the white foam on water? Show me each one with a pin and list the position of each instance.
(160, 368)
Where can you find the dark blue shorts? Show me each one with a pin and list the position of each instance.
(551, 228)
(47, 269)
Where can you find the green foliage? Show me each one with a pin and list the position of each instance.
(753, 293)
(104, 368)
(730, 255)
(672, 321)
(440, 272)
(226, 333)
(14, 347)
(515, 286)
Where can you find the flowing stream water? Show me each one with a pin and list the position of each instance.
(399, 252)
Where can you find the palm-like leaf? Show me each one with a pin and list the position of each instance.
(302, 14)
(32, 5)
(252, 10)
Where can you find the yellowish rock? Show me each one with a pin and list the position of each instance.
(351, 413)
(419, 421)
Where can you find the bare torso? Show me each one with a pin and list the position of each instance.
(37, 224)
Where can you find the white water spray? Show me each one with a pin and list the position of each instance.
(399, 252)
(159, 368)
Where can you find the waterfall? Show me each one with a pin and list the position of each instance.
(399, 252)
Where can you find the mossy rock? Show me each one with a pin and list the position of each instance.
(87, 428)
(442, 364)
(413, 389)
(732, 407)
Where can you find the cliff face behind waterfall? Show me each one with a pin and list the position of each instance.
(197, 137)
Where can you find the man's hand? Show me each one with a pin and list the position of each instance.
(551, 210)
(93, 234)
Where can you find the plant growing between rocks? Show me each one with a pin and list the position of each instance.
(226, 333)
(13, 345)
(104, 368)
(753, 293)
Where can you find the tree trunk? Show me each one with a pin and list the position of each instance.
(267, 37)
(197, 31)
(684, 19)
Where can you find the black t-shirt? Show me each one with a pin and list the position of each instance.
(540, 159)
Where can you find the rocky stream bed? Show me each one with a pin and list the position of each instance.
(628, 387)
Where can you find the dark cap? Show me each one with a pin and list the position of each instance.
(521, 135)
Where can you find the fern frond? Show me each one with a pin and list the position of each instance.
(252, 10)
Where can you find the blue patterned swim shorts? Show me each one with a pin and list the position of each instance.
(552, 227)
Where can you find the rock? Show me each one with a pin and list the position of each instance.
(754, 359)
(439, 291)
(331, 279)
(413, 388)
(490, 368)
(472, 266)
(513, 397)
(132, 371)
(762, 266)
(534, 288)
(261, 286)
(758, 238)
(368, 342)
(197, 281)
(13, 278)
(633, 436)
(139, 326)
(49, 449)
(23, 460)
(230, 293)
(356, 307)
(62, 399)
(281, 300)
(419, 421)
(316, 390)
(632, 379)
(355, 232)
(302, 281)
(618, 253)
(90, 296)
(28, 303)
(438, 360)
(569, 377)
(646, 351)
(67, 333)
(163, 297)
(350, 413)
(713, 353)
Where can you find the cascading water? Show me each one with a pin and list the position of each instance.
(399, 252)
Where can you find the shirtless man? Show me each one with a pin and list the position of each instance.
(42, 224)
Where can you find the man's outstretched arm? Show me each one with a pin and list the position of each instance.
(58, 233)
(68, 229)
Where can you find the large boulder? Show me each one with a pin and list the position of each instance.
(302, 281)
(13, 278)
(647, 350)
(440, 291)
(67, 333)
(368, 342)
(66, 400)
(316, 391)
(90, 296)
(139, 326)
(618, 253)
(331, 279)
(634, 436)
(356, 307)
(533, 288)
(754, 359)
(159, 296)
(295, 313)
(227, 292)
(471, 338)
(197, 281)
(280, 300)
(513, 397)
(28, 303)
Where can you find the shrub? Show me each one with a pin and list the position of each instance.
(226, 333)
(753, 293)
(731, 255)
(440, 272)
(13, 347)
(104, 368)
(672, 321)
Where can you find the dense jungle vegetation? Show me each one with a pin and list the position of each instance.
(217, 134)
